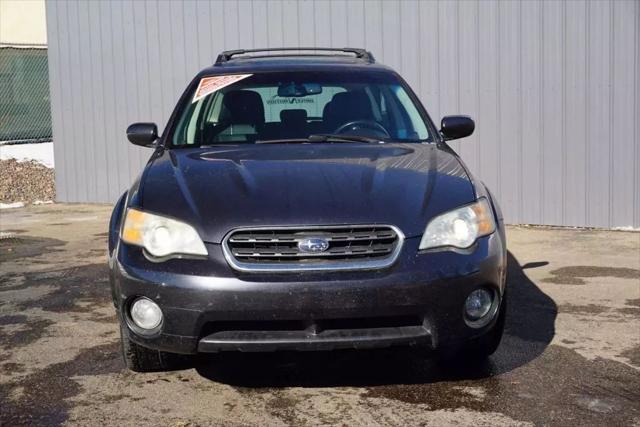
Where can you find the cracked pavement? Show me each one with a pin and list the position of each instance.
(570, 356)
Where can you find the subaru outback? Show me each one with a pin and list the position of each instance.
(302, 199)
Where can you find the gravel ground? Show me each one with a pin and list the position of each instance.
(570, 355)
(26, 182)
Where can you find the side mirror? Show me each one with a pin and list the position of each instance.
(455, 127)
(143, 134)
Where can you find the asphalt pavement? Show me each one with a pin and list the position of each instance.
(570, 356)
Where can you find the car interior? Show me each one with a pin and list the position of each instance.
(242, 117)
(259, 114)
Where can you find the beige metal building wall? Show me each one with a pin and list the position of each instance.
(554, 86)
(22, 23)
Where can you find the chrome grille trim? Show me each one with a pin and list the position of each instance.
(243, 235)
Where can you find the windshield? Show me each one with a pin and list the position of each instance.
(249, 108)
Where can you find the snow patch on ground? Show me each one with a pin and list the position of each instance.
(11, 205)
(627, 228)
(41, 153)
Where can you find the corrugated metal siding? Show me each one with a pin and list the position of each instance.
(554, 86)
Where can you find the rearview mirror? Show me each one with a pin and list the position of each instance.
(289, 90)
(455, 127)
(143, 134)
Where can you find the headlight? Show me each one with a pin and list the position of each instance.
(161, 236)
(461, 227)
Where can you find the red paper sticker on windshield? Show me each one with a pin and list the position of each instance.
(208, 85)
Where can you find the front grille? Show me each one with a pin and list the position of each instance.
(277, 249)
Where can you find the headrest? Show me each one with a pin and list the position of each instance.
(242, 106)
(354, 101)
(347, 106)
(293, 115)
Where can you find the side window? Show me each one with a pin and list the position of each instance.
(192, 127)
(374, 97)
(187, 128)
(387, 119)
(212, 112)
(393, 114)
(410, 124)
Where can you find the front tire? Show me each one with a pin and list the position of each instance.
(141, 359)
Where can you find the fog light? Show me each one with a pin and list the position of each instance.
(146, 314)
(478, 304)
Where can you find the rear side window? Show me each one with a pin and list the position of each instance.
(294, 105)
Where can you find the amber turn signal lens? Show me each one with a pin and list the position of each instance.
(486, 225)
(160, 236)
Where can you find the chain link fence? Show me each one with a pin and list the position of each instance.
(25, 111)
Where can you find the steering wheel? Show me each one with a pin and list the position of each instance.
(358, 124)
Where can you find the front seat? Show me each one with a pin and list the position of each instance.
(241, 116)
(294, 123)
(346, 107)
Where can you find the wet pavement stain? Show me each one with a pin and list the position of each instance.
(31, 330)
(87, 283)
(634, 302)
(278, 402)
(12, 368)
(282, 406)
(632, 355)
(588, 309)
(114, 398)
(15, 231)
(98, 252)
(12, 319)
(568, 390)
(629, 311)
(632, 309)
(556, 387)
(50, 211)
(16, 248)
(575, 275)
(110, 319)
(43, 395)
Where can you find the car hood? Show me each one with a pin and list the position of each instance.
(220, 188)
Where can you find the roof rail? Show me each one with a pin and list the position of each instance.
(363, 54)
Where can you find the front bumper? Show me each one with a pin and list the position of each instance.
(209, 307)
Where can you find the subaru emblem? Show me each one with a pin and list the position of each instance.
(313, 245)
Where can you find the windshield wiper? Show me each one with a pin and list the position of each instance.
(327, 137)
(282, 141)
(322, 138)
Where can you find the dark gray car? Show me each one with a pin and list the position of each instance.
(304, 201)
